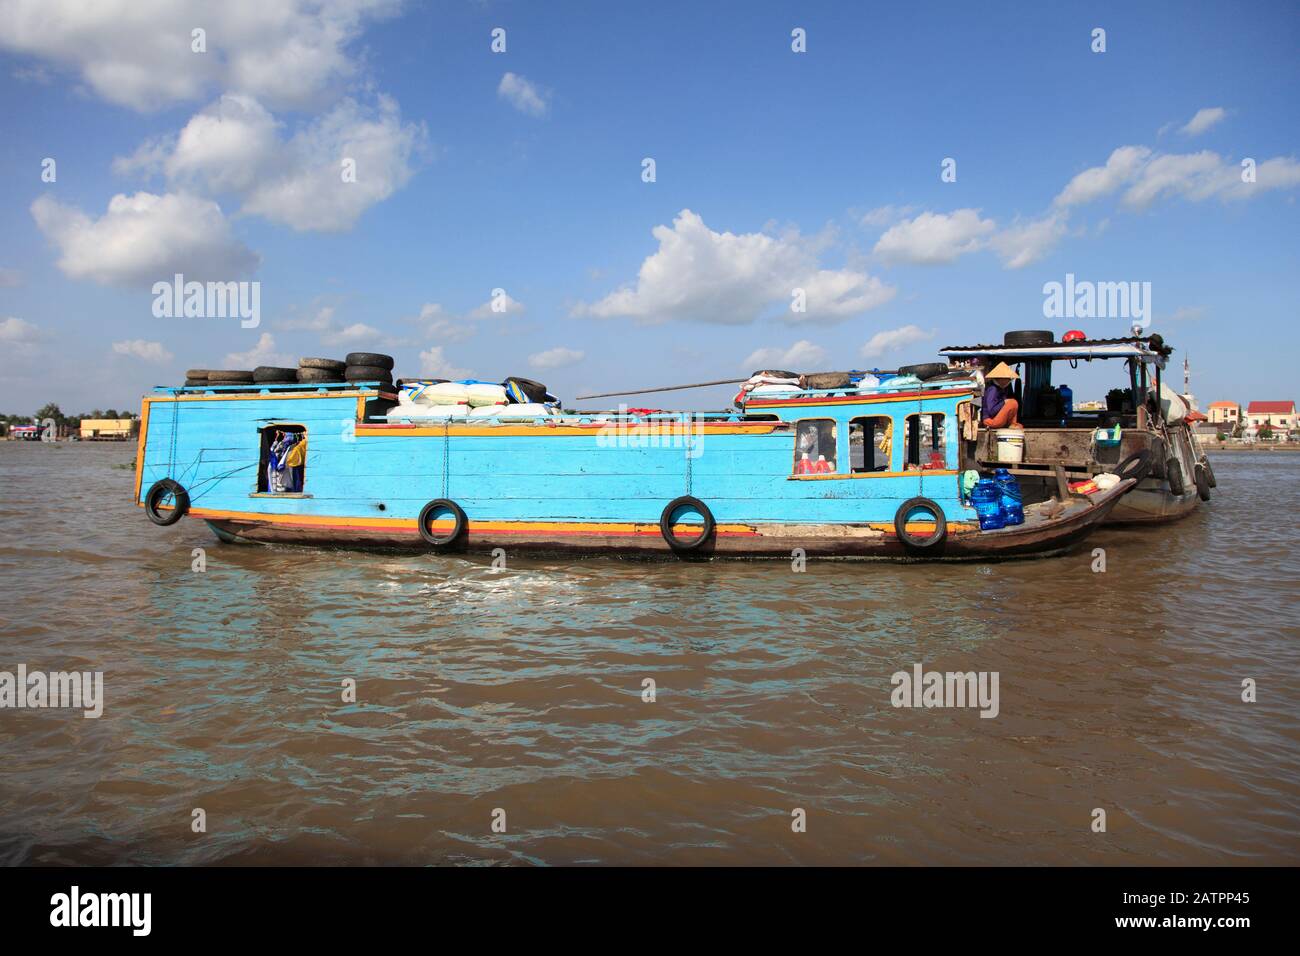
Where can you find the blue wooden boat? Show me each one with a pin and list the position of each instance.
(882, 478)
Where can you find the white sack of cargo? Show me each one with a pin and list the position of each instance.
(485, 394)
(516, 412)
(1172, 406)
(442, 393)
(424, 412)
(772, 388)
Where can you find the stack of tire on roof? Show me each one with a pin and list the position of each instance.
(320, 371)
(369, 367)
(357, 367)
(198, 377)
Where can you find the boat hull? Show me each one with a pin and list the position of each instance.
(1153, 505)
(1152, 501)
(1040, 536)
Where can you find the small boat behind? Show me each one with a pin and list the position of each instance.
(1143, 430)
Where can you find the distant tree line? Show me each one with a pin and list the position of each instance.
(52, 411)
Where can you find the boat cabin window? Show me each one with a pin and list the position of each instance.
(871, 444)
(814, 447)
(282, 467)
(926, 447)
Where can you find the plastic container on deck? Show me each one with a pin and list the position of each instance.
(1010, 444)
(987, 499)
(1013, 510)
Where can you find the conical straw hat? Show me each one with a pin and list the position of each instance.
(1001, 370)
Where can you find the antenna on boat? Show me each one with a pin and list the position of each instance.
(665, 388)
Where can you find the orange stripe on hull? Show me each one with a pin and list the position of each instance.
(481, 527)
(561, 528)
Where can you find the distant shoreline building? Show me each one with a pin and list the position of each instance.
(107, 429)
(1278, 416)
(1225, 413)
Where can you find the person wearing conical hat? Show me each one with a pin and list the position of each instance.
(999, 409)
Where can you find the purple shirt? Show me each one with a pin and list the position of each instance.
(994, 399)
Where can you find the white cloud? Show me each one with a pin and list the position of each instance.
(935, 238)
(557, 357)
(699, 274)
(234, 146)
(309, 193)
(1280, 172)
(137, 53)
(332, 331)
(894, 340)
(225, 147)
(505, 305)
(885, 215)
(1193, 176)
(322, 321)
(437, 323)
(1022, 244)
(1203, 120)
(139, 348)
(263, 353)
(802, 355)
(1173, 173)
(352, 334)
(522, 95)
(434, 364)
(1186, 313)
(19, 337)
(145, 238)
(1100, 181)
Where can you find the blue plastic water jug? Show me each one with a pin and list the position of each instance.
(1067, 401)
(1013, 510)
(986, 496)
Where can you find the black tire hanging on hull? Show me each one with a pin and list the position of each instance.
(1174, 475)
(1202, 482)
(921, 544)
(153, 499)
(666, 524)
(1159, 456)
(427, 513)
(1136, 466)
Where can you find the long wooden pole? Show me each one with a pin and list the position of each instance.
(666, 388)
(674, 388)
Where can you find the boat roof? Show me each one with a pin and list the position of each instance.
(1142, 348)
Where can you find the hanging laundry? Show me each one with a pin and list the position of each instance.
(294, 460)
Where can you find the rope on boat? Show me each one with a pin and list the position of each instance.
(446, 457)
(176, 414)
(690, 437)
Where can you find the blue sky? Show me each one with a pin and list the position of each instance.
(522, 171)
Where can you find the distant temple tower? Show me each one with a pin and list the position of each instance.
(1188, 397)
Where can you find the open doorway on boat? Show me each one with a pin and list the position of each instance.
(282, 463)
(926, 442)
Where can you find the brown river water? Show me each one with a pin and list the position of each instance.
(520, 689)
